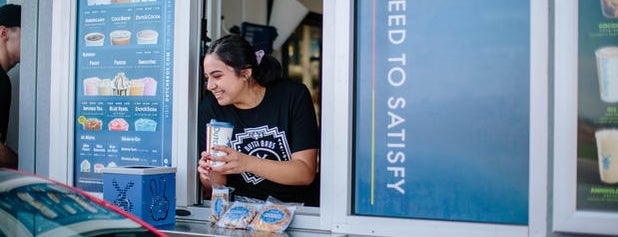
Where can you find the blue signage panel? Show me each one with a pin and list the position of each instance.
(442, 110)
(123, 98)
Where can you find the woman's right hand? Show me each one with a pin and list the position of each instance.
(207, 177)
(203, 167)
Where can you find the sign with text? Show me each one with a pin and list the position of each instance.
(442, 110)
(123, 99)
(597, 126)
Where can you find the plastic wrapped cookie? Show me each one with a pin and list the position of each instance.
(275, 216)
(239, 215)
(219, 202)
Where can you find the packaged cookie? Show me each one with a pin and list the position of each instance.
(240, 214)
(275, 216)
(219, 202)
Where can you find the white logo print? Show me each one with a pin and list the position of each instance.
(263, 142)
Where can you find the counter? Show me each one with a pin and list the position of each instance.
(201, 228)
(191, 221)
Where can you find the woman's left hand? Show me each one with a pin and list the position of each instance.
(300, 170)
(235, 162)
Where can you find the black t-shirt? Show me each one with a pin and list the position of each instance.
(5, 103)
(283, 123)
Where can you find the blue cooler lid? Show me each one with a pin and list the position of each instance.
(139, 170)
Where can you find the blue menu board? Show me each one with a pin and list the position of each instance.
(442, 110)
(123, 98)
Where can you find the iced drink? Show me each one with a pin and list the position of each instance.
(94, 39)
(136, 88)
(118, 124)
(607, 72)
(120, 37)
(150, 86)
(84, 166)
(607, 149)
(147, 37)
(121, 84)
(218, 133)
(610, 8)
(105, 87)
(90, 86)
(147, 125)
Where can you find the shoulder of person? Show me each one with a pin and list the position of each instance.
(290, 85)
(208, 97)
(209, 102)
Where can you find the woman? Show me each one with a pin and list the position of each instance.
(275, 142)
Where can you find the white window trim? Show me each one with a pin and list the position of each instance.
(54, 130)
(335, 213)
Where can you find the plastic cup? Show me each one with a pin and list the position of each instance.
(120, 37)
(218, 133)
(90, 86)
(147, 37)
(94, 39)
(146, 125)
(607, 71)
(136, 88)
(105, 87)
(150, 86)
(607, 149)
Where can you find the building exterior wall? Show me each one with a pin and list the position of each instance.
(46, 114)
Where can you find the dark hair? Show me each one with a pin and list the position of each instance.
(236, 52)
(10, 15)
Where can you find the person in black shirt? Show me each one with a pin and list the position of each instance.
(275, 141)
(10, 38)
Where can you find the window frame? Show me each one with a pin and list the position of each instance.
(337, 137)
(566, 217)
(334, 213)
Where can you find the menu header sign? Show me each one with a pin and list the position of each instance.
(123, 86)
(442, 110)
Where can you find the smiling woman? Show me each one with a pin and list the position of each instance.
(273, 151)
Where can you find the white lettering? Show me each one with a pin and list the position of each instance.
(398, 156)
(121, 18)
(397, 36)
(94, 20)
(395, 120)
(147, 17)
(399, 102)
(397, 186)
(145, 109)
(396, 76)
(147, 61)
